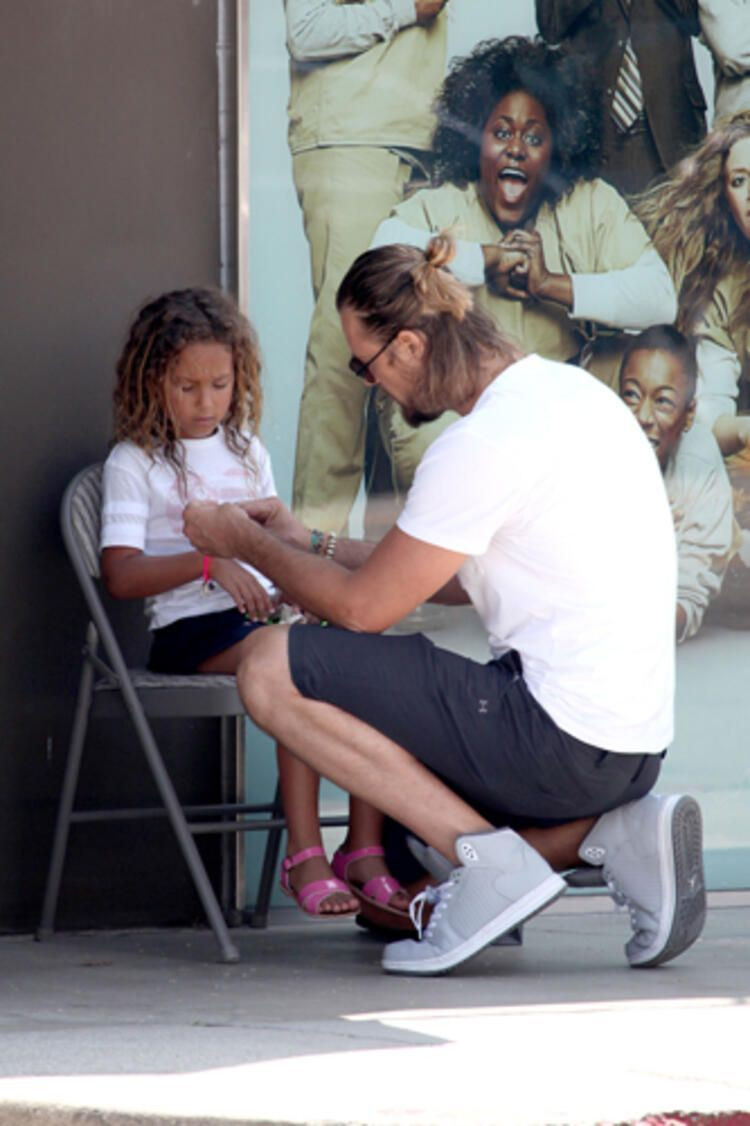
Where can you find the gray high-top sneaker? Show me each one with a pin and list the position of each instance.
(500, 882)
(651, 854)
(433, 862)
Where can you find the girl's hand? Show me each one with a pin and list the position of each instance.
(505, 269)
(249, 596)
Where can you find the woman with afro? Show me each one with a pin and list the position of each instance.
(554, 254)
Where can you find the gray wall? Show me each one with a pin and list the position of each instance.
(109, 194)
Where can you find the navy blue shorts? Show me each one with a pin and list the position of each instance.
(475, 725)
(185, 644)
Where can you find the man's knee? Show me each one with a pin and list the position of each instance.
(263, 673)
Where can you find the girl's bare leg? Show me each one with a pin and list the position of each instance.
(299, 792)
(300, 786)
(366, 828)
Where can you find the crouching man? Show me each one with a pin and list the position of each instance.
(543, 505)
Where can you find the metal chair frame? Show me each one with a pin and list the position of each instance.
(108, 687)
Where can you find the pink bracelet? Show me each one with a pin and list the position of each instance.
(206, 574)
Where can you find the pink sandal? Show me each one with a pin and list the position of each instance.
(311, 896)
(375, 893)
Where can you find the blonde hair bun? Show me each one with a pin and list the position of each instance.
(439, 291)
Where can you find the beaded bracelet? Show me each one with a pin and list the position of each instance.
(330, 545)
(317, 540)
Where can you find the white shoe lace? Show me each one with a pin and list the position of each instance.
(436, 896)
(620, 898)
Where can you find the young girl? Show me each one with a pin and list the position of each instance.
(187, 406)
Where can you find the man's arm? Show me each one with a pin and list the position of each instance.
(726, 29)
(276, 517)
(397, 574)
(321, 30)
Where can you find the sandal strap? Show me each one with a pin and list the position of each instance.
(300, 857)
(312, 895)
(381, 889)
(342, 860)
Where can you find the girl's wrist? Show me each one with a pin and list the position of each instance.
(207, 583)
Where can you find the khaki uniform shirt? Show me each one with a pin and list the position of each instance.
(382, 96)
(589, 231)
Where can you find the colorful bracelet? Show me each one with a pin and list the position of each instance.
(317, 540)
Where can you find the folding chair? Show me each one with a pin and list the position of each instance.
(109, 688)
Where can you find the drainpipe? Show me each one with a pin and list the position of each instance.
(226, 64)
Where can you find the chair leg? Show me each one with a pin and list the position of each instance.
(232, 843)
(259, 915)
(65, 808)
(228, 950)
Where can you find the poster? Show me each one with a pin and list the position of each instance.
(709, 756)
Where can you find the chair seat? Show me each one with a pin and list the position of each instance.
(165, 695)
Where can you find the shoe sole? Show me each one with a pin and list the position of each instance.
(518, 912)
(680, 871)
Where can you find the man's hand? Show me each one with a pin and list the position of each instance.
(428, 9)
(217, 529)
(277, 519)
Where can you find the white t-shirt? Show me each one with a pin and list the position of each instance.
(142, 507)
(551, 487)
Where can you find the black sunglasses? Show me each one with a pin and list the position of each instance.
(362, 369)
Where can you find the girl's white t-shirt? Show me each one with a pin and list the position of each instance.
(552, 489)
(142, 507)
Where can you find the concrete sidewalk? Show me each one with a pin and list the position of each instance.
(145, 1026)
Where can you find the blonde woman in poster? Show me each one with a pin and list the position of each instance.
(363, 77)
(551, 252)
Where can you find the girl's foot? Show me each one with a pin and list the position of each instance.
(366, 873)
(307, 877)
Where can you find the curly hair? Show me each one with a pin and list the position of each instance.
(160, 331)
(692, 227)
(559, 81)
(396, 287)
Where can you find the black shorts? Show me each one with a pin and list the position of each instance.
(475, 725)
(183, 645)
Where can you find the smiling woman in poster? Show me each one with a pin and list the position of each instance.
(550, 251)
(700, 220)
